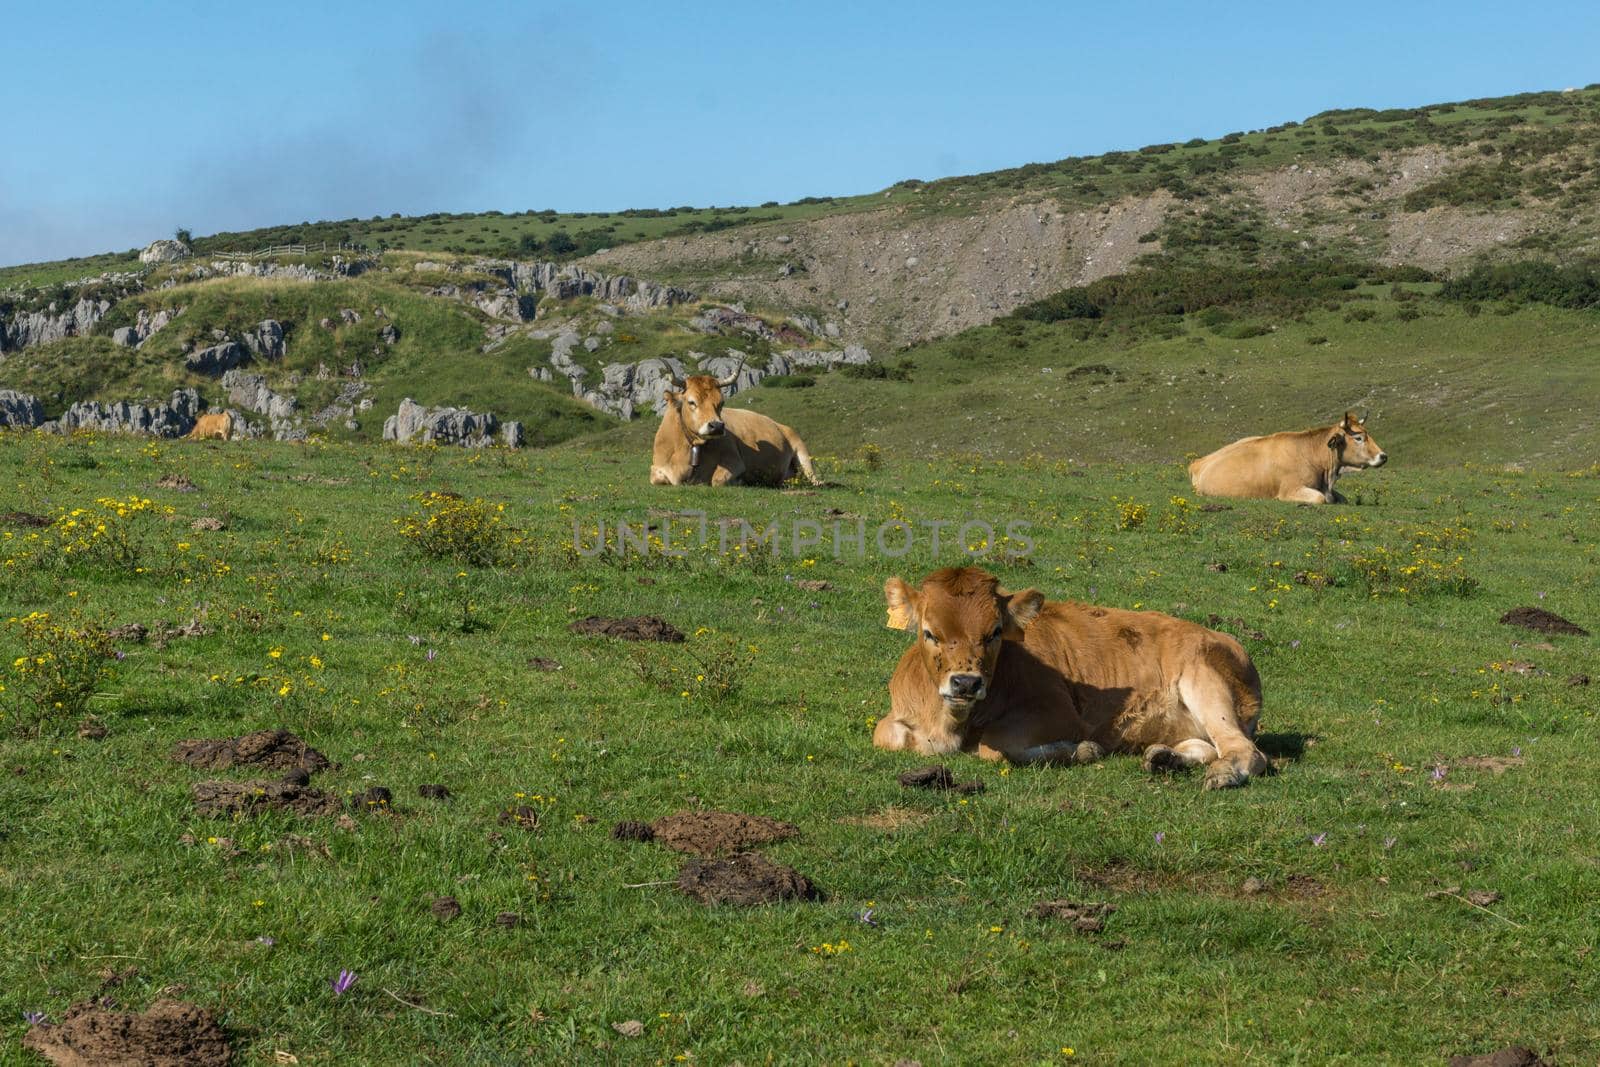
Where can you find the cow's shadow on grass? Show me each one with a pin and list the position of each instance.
(1288, 746)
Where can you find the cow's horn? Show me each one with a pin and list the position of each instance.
(733, 378)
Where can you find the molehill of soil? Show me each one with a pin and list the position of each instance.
(1086, 918)
(1545, 622)
(744, 879)
(170, 1033)
(249, 797)
(1512, 1056)
(937, 777)
(635, 628)
(711, 833)
(273, 750)
(180, 482)
(24, 518)
(633, 830)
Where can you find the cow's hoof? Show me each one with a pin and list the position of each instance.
(1161, 759)
(1224, 775)
(1087, 752)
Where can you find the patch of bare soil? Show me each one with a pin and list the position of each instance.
(375, 798)
(273, 750)
(170, 1033)
(635, 628)
(131, 632)
(193, 628)
(249, 797)
(522, 816)
(1497, 764)
(207, 524)
(813, 585)
(92, 729)
(180, 482)
(445, 908)
(889, 819)
(433, 792)
(711, 833)
(633, 830)
(1480, 897)
(1578, 679)
(1545, 622)
(743, 879)
(24, 518)
(937, 777)
(540, 663)
(1086, 918)
(1511, 1056)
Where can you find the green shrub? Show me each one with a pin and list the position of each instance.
(789, 381)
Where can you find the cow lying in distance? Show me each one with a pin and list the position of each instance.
(1013, 676)
(1299, 467)
(218, 426)
(700, 442)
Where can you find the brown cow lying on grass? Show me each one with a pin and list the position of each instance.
(1013, 676)
(700, 442)
(1300, 467)
(219, 426)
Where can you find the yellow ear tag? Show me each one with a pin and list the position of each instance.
(899, 618)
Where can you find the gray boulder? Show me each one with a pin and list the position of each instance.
(20, 411)
(126, 336)
(250, 392)
(415, 424)
(217, 359)
(734, 362)
(42, 327)
(266, 340)
(174, 418)
(165, 252)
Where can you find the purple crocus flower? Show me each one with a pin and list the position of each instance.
(36, 1018)
(1161, 835)
(1388, 843)
(1439, 771)
(432, 652)
(341, 985)
(866, 917)
(1318, 839)
(1516, 750)
(414, 639)
(265, 941)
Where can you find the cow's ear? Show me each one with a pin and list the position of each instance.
(671, 396)
(903, 604)
(1336, 442)
(1020, 610)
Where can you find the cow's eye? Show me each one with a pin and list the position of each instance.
(691, 403)
(996, 632)
(928, 635)
(1359, 436)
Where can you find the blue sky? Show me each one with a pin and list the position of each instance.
(123, 121)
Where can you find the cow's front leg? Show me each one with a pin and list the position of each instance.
(725, 476)
(663, 476)
(1306, 495)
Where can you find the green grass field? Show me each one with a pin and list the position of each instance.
(1426, 753)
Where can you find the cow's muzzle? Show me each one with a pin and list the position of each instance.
(961, 691)
(1383, 457)
(712, 429)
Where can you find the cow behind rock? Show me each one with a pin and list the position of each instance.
(1013, 676)
(1296, 466)
(702, 442)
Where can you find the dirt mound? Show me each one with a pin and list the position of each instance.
(633, 830)
(1545, 622)
(710, 833)
(249, 797)
(541, 663)
(273, 750)
(179, 482)
(376, 798)
(1086, 918)
(937, 778)
(522, 815)
(170, 1033)
(134, 632)
(1512, 1056)
(433, 792)
(744, 879)
(207, 524)
(634, 628)
(24, 518)
(445, 908)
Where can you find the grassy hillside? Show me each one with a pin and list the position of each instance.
(1418, 861)
(1446, 383)
(1534, 145)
